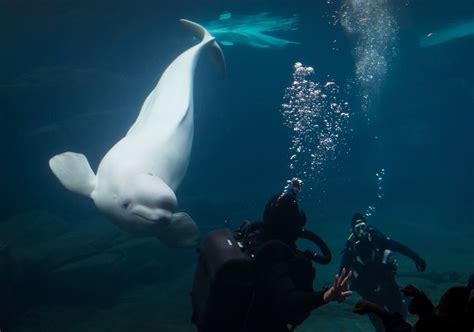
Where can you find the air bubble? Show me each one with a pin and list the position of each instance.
(376, 42)
(380, 194)
(317, 119)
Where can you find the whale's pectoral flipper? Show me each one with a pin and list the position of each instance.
(74, 172)
(182, 232)
(201, 33)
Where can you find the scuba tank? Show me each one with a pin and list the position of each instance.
(223, 284)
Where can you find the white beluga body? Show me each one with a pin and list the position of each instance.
(136, 180)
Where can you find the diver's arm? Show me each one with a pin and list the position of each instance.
(393, 322)
(290, 305)
(293, 306)
(404, 250)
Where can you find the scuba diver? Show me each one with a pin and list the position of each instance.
(256, 279)
(369, 254)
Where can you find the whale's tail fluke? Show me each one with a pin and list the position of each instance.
(197, 30)
(202, 34)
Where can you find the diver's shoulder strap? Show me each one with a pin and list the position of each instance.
(351, 242)
(351, 238)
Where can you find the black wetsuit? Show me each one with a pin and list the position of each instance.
(284, 292)
(374, 269)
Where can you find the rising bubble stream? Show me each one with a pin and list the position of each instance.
(375, 30)
(380, 193)
(317, 119)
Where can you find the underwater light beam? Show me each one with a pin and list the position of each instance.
(459, 30)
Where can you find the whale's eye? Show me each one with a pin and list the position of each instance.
(125, 205)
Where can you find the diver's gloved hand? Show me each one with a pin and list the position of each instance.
(420, 264)
(337, 291)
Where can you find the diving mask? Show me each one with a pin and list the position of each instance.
(360, 229)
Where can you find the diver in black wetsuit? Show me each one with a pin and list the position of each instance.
(255, 279)
(284, 292)
(368, 253)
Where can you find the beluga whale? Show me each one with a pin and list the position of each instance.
(136, 180)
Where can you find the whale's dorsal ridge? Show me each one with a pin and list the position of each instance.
(178, 74)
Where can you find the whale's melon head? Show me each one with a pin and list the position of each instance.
(137, 204)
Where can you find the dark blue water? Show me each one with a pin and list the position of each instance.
(74, 75)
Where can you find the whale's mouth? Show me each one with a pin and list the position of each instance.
(161, 220)
(143, 217)
(158, 218)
